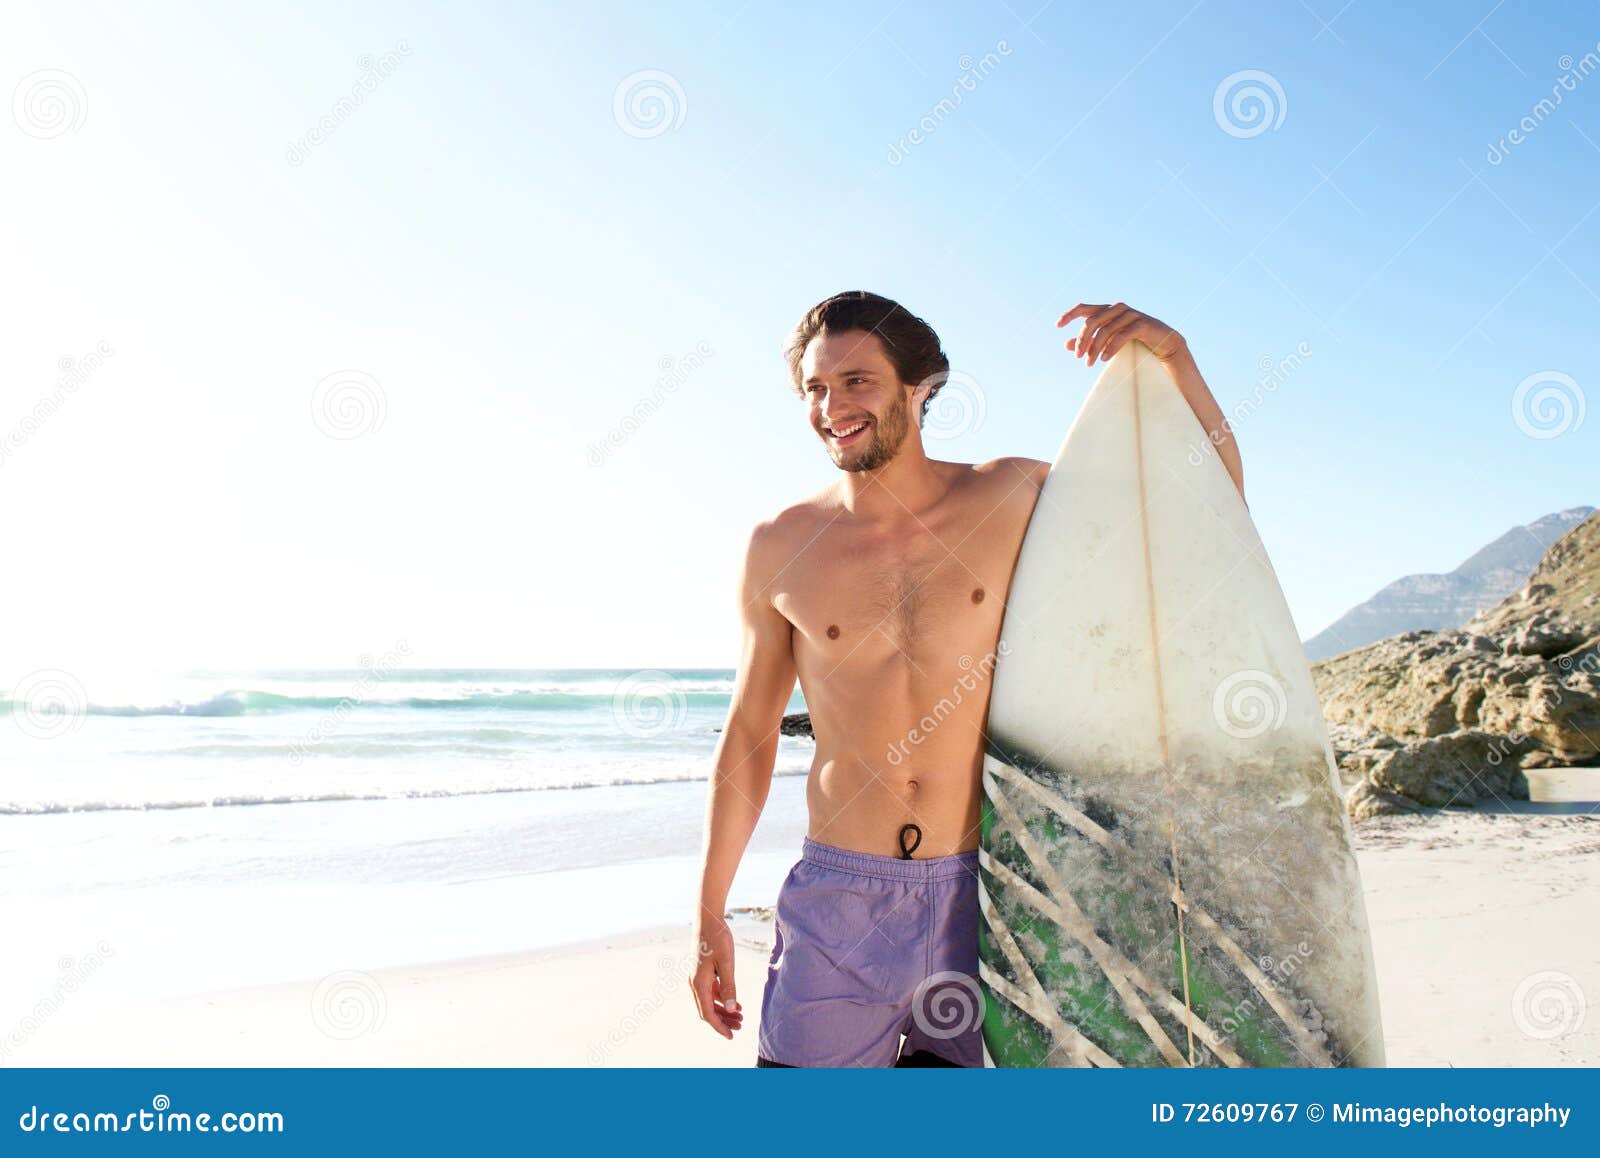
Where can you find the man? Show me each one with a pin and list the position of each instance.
(882, 593)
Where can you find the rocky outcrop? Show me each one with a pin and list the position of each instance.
(1466, 710)
(1460, 768)
(1367, 800)
(1426, 684)
(794, 724)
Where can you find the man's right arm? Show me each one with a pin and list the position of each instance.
(741, 773)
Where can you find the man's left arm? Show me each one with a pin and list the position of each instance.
(1106, 329)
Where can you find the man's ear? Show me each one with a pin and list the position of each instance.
(919, 395)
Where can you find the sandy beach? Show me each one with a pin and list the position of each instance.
(1483, 930)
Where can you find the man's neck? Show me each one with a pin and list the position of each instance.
(907, 485)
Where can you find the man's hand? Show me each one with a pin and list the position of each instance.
(1106, 329)
(712, 979)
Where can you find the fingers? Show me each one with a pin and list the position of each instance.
(1106, 329)
(714, 995)
(1078, 311)
(729, 1010)
(1091, 340)
(725, 987)
(703, 984)
(1112, 336)
(1096, 318)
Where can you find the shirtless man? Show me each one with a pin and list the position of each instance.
(884, 595)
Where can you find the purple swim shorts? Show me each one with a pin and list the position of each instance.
(868, 948)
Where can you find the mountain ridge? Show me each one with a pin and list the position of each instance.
(1435, 601)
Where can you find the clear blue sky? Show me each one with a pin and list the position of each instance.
(485, 239)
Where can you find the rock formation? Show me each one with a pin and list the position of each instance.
(1432, 718)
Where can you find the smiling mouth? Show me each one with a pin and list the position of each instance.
(845, 435)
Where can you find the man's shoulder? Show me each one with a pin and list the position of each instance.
(792, 527)
(1013, 472)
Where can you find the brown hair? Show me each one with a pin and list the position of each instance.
(912, 346)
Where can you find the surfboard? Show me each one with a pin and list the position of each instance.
(1165, 858)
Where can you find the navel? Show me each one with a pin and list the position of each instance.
(977, 594)
(833, 631)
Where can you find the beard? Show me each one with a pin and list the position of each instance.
(888, 434)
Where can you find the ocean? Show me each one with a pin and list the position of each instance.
(216, 739)
(226, 828)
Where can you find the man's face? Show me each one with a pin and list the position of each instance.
(858, 405)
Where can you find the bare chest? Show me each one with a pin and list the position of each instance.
(858, 604)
